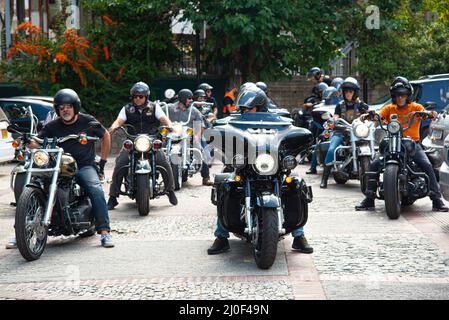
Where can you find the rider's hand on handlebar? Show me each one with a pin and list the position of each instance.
(111, 130)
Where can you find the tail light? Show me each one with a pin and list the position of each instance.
(19, 157)
(127, 144)
(15, 144)
(157, 144)
(83, 140)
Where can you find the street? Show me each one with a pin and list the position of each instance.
(357, 255)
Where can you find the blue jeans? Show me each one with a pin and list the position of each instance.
(88, 179)
(335, 142)
(223, 233)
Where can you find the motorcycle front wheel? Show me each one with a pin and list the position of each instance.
(31, 234)
(177, 176)
(266, 237)
(143, 194)
(392, 194)
(364, 164)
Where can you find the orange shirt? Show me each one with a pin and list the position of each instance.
(403, 117)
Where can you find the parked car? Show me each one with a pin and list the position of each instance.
(6, 149)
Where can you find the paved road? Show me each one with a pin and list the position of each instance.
(357, 255)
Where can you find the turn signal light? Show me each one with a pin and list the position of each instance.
(83, 141)
(15, 144)
(19, 157)
(238, 178)
(289, 180)
(190, 131)
(127, 144)
(157, 144)
(164, 131)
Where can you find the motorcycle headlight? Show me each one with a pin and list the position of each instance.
(142, 143)
(394, 127)
(361, 131)
(41, 158)
(265, 163)
(289, 162)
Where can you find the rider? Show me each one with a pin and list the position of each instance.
(348, 109)
(258, 103)
(179, 112)
(264, 87)
(144, 117)
(67, 105)
(401, 94)
(208, 90)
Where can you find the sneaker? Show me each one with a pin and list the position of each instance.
(366, 205)
(300, 244)
(311, 171)
(106, 240)
(220, 245)
(172, 198)
(207, 182)
(112, 203)
(438, 205)
(12, 244)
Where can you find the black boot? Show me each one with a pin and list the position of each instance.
(172, 197)
(300, 244)
(326, 174)
(311, 171)
(112, 203)
(366, 205)
(438, 205)
(220, 245)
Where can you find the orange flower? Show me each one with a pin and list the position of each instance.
(61, 57)
(106, 53)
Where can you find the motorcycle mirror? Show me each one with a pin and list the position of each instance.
(430, 105)
(169, 93)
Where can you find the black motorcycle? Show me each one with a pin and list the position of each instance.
(142, 178)
(403, 180)
(261, 200)
(52, 203)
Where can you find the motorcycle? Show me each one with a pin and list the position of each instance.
(144, 180)
(352, 159)
(403, 180)
(52, 202)
(261, 200)
(184, 158)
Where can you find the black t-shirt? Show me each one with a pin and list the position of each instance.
(212, 100)
(83, 154)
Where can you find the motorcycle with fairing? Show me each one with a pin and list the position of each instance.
(261, 200)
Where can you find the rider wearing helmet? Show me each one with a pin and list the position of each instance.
(337, 82)
(253, 99)
(144, 117)
(263, 86)
(179, 112)
(348, 109)
(315, 74)
(401, 94)
(208, 90)
(67, 106)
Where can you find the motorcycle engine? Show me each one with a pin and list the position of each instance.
(417, 187)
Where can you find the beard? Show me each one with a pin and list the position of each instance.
(67, 117)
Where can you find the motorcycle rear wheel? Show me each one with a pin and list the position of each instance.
(31, 234)
(392, 194)
(265, 246)
(143, 194)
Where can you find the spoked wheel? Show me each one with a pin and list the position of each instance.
(31, 234)
(162, 181)
(266, 237)
(391, 192)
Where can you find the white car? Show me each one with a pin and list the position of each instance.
(6, 149)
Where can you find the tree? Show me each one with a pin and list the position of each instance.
(268, 39)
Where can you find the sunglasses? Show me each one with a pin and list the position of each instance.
(140, 96)
(65, 106)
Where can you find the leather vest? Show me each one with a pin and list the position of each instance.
(143, 122)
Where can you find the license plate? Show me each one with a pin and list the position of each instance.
(437, 134)
(4, 133)
(364, 150)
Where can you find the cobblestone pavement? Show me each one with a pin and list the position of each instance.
(357, 255)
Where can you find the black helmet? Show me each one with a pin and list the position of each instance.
(140, 87)
(66, 96)
(205, 86)
(252, 97)
(263, 86)
(399, 86)
(314, 72)
(183, 95)
(199, 93)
